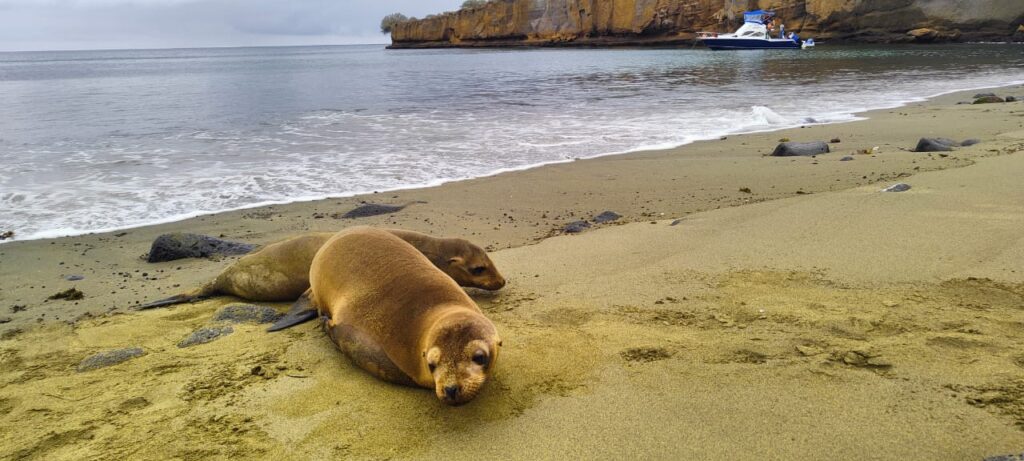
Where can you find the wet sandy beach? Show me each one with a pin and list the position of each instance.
(744, 305)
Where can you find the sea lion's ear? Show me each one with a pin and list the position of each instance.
(455, 260)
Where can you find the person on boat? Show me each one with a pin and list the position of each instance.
(782, 30)
(795, 37)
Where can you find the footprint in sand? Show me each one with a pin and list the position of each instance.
(645, 354)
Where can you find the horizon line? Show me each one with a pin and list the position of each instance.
(190, 47)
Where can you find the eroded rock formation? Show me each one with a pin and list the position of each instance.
(629, 22)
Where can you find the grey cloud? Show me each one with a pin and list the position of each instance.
(82, 24)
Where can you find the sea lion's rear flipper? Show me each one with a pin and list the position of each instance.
(206, 291)
(301, 312)
(176, 299)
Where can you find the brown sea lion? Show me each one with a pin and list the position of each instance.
(280, 271)
(398, 317)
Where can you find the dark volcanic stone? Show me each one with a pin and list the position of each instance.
(989, 100)
(1019, 457)
(970, 142)
(1011, 99)
(901, 187)
(801, 149)
(607, 216)
(935, 145)
(984, 95)
(676, 222)
(169, 247)
(205, 335)
(73, 278)
(246, 313)
(846, 159)
(369, 209)
(5, 320)
(576, 227)
(108, 358)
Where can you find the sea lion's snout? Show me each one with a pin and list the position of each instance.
(496, 284)
(456, 395)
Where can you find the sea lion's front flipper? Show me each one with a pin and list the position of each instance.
(301, 312)
(367, 354)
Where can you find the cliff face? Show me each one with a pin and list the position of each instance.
(598, 22)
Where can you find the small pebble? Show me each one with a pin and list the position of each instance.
(901, 187)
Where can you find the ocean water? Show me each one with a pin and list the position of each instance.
(102, 140)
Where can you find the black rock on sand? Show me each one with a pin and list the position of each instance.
(246, 313)
(942, 144)
(371, 209)
(169, 247)
(108, 358)
(205, 335)
(576, 227)
(607, 216)
(989, 100)
(801, 149)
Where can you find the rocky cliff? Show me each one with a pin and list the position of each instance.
(637, 22)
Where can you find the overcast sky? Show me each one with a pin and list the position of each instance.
(105, 24)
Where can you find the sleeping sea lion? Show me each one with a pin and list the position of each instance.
(280, 271)
(397, 316)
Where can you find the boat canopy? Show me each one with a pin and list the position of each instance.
(757, 16)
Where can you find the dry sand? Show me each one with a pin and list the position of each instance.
(851, 324)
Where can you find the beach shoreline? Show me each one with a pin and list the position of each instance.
(494, 210)
(738, 294)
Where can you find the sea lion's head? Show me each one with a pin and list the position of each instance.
(460, 353)
(470, 266)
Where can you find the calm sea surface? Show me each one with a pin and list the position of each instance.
(99, 140)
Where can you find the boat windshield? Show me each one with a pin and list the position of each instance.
(752, 30)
